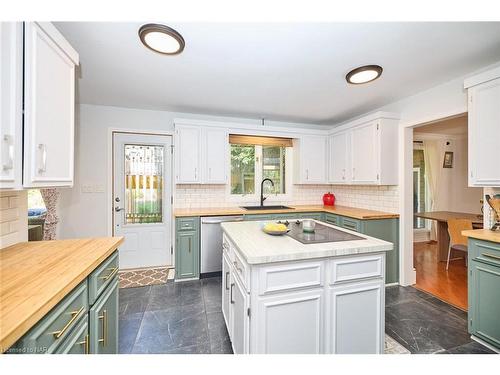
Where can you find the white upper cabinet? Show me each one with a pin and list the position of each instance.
(338, 166)
(215, 152)
(11, 90)
(364, 169)
(484, 128)
(49, 102)
(365, 152)
(310, 159)
(201, 154)
(187, 154)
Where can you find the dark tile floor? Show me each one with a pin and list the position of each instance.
(187, 318)
(173, 318)
(425, 324)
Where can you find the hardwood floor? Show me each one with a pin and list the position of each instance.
(432, 277)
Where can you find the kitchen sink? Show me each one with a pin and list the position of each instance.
(256, 208)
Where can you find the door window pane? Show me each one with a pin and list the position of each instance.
(143, 184)
(242, 169)
(419, 190)
(273, 167)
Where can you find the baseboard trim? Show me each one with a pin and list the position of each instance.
(484, 343)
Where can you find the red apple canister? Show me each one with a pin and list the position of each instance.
(329, 199)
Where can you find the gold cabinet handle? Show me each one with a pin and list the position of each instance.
(490, 256)
(113, 272)
(75, 315)
(86, 342)
(104, 318)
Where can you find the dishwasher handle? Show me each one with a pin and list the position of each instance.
(219, 221)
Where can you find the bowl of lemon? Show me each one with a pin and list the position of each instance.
(275, 229)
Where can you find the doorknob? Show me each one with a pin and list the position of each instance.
(118, 209)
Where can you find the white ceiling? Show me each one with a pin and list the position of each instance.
(280, 71)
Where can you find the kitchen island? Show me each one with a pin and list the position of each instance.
(283, 295)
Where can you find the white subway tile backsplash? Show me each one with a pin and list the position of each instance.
(380, 198)
(13, 217)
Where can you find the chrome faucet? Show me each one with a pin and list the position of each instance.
(262, 198)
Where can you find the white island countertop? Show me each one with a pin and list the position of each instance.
(258, 247)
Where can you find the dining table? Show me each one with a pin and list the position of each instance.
(442, 217)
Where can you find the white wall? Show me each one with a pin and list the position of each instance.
(85, 214)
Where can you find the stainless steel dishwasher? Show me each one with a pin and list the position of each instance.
(211, 244)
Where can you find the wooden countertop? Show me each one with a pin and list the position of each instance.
(357, 213)
(447, 215)
(483, 234)
(35, 276)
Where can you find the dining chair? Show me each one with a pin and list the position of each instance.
(457, 241)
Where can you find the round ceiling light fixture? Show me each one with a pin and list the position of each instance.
(161, 39)
(364, 74)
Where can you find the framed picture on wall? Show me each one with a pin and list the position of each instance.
(448, 159)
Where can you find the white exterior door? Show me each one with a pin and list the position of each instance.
(338, 158)
(364, 154)
(142, 208)
(11, 91)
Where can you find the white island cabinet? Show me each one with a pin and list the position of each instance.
(282, 296)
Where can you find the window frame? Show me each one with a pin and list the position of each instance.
(258, 179)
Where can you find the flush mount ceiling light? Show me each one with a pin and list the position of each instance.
(161, 39)
(364, 74)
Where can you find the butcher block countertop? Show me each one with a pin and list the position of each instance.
(35, 276)
(356, 213)
(483, 234)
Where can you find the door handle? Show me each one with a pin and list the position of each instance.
(118, 209)
(104, 318)
(231, 294)
(225, 283)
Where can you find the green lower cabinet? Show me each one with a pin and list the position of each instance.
(78, 342)
(484, 297)
(103, 322)
(187, 249)
(387, 230)
(259, 217)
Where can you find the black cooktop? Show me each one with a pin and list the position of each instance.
(321, 234)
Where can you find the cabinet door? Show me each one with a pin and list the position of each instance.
(11, 91)
(216, 156)
(313, 159)
(186, 255)
(338, 167)
(103, 317)
(290, 323)
(355, 330)
(49, 100)
(188, 154)
(226, 289)
(364, 154)
(239, 303)
(484, 133)
(485, 302)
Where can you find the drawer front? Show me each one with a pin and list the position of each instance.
(47, 335)
(356, 268)
(312, 215)
(332, 219)
(228, 248)
(290, 277)
(351, 224)
(484, 251)
(286, 216)
(102, 276)
(187, 223)
(241, 269)
(78, 342)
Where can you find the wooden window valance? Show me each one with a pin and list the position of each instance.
(241, 139)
